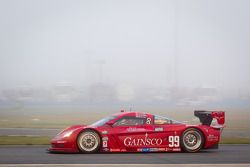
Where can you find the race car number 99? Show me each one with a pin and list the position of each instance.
(174, 141)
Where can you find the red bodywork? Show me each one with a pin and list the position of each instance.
(148, 137)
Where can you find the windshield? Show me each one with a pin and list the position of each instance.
(103, 121)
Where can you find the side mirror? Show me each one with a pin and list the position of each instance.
(110, 123)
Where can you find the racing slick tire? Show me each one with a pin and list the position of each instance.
(88, 141)
(192, 140)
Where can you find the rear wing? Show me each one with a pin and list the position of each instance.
(206, 117)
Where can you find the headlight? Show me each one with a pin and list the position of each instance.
(67, 134)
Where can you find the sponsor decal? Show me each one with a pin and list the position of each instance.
(176, 149)
(150, 149)
(143, 149)
(140, 115)
(105, 138)
(135, 129)
(105, 132)
(105, 149)
(104, 143)
(146, 141)
(162, 149)
(154, 149)
(159, 129)
(218, 115)
(168, 149)
(212, 138)
(123, 150)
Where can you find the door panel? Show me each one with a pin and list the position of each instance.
(127, 135)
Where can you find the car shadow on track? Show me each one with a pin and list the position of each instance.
(182, 152)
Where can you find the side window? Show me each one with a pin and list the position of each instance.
(158, 120)
(130, 121)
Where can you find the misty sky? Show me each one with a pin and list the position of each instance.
(156, 43)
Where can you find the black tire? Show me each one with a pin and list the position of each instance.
(88, 141)
(192, 140)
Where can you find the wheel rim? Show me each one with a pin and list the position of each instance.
(88, 141)
(192, 140)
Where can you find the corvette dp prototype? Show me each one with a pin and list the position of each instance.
(141, 132)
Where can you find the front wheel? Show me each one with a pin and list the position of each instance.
(192, 140)
(88, 141)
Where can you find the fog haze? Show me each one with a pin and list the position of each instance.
(125, 52)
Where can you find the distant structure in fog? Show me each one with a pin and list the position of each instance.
(100, 64)
(101, 92)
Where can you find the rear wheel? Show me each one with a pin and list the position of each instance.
(192, 140)
(88, 141)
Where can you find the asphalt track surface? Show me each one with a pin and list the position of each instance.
(226, 154)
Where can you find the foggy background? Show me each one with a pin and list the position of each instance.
(123, 54)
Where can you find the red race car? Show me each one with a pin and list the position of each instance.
(141, 132)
